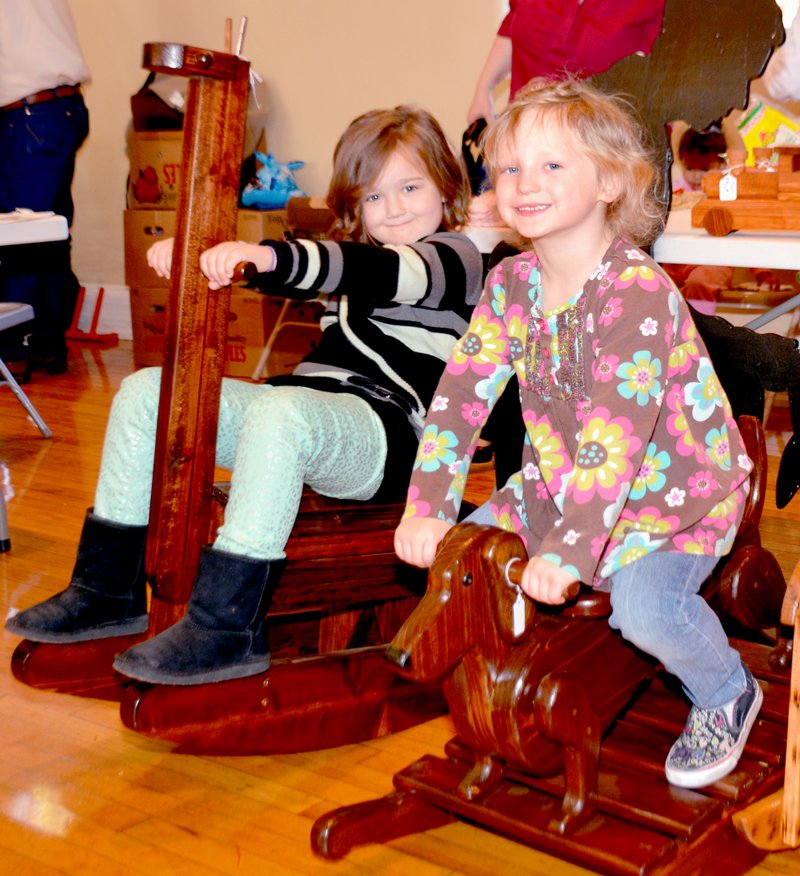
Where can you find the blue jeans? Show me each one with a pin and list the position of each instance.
(37, 163)
(656, 607)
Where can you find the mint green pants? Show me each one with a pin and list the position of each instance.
(272, 439)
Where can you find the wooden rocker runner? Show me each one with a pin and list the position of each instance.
(343, 693)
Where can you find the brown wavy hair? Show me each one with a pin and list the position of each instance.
(362, 152)
(614, 139)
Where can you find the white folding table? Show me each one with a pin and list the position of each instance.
(23, 227)
(779, 250)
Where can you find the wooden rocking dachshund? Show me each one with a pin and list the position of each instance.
(345, 600)
(562, 728)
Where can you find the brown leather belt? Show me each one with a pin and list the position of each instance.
(42, 97)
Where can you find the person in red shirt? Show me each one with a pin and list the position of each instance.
(552, 37)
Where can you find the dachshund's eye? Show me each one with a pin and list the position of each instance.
(467, 579)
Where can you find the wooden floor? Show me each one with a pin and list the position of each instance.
(81, 794)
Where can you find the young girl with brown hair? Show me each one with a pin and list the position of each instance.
(346, 423)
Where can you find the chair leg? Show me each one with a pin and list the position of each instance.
(5, 539)
(8, 378)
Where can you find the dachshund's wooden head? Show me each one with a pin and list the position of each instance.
(468, 605)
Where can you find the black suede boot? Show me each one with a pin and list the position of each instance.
(223, 633)
(107, 595)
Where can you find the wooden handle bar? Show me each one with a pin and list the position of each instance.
(243, 274)
(514, 577)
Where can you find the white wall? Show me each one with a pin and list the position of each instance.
(324, 63)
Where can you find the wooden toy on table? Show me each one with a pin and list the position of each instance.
(766, 198)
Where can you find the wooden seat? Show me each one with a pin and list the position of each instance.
(342, 597)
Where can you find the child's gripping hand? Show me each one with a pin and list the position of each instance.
(417, 538)
(545, 581)
(159, 256)
(219, 262)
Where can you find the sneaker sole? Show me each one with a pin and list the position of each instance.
(702, 777)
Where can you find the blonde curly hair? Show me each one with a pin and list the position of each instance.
(607, 128)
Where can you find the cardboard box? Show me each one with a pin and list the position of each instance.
(149, 323)
(155, 174)
(249, 321)
(258, 225)
(252, 318)
(309, 218)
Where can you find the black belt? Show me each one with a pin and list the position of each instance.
(380, 393)
(42, 96)
(364, 386)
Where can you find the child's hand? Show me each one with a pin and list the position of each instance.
(545, 581)
(417, 538)
(159, 257)
(219, 262)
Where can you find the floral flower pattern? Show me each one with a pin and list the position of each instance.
(603, 457)
(645, 457)
(704, 394)
(474, 413)
(651, 472)
(640, 377)
(416, 507)
(548, 446)
(612, 309)
(435, 449)
(482, 348)
(719, 448)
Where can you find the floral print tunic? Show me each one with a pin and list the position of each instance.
(630, 447)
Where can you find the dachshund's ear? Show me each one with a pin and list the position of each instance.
(788, 480)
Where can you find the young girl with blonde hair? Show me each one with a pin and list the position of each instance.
(634, 474)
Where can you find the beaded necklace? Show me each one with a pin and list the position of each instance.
(553, 356)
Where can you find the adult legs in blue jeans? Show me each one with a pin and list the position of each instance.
(37, 153)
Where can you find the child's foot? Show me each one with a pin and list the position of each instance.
(713, 739)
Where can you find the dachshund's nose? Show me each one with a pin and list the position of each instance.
(400, 658)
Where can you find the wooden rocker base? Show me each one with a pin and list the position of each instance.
(81, 669)
(329, 683)
(298, 705)
(639, 822)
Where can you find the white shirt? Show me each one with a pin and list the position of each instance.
(781, 80)
(38, 48)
